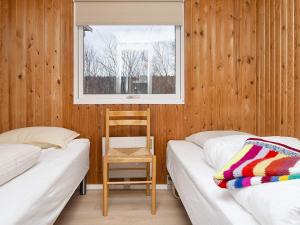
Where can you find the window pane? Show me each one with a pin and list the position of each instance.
(129, 60)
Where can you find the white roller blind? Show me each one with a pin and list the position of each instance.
(130, 12)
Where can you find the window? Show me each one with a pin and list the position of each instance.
(128, 64)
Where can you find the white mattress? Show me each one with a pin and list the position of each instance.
(205, 203)
(38, 196)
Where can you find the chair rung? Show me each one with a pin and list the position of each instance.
(127, 122)
(130, 182)
(128, 113)
(117, 169)
(120, 160)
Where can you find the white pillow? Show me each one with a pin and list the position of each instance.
(201, 137)
(16, 159)
(39, 136)
(290, 141)
(218, 151)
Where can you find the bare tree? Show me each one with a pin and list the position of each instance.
(91, 65)
(108, 59)
(135, 66)
(163, 62)
(135, 63)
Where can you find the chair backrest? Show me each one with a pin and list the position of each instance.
(132, 118)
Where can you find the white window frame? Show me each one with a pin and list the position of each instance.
(81, 98)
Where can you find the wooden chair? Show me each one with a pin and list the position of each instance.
(129, 155)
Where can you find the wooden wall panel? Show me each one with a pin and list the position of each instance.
(297, 67)
(4, 75)
(278, 67)
(36, 42)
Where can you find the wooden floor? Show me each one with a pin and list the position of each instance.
(126, 207)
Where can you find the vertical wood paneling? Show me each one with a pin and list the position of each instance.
(297, 67)
(248, 63)
(241, 72)
(267, 86)
(4, 74)
(19, 79)
(272, 69)
(262, 58)
(290, 88)
(12, 59)
(277, 67)
(29, 62)
(283, 80)
(39, 56)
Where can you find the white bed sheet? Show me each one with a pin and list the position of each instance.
(38, 196)
(205, 203)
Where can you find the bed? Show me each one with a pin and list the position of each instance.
(205, 203)
(37, 196)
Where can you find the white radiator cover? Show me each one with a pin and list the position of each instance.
(133, 170)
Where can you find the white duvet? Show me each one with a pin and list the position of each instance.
(272, 203)
(15, 159)
(38, 196)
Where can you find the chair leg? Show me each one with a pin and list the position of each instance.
(105, 187)
(107, 178)
(148, 178)
(153, 205)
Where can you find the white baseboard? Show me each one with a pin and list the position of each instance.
(136, 187)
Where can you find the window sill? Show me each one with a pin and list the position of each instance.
(119, 101)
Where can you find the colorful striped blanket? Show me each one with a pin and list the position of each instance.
(260, 161)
